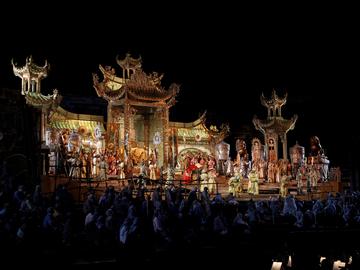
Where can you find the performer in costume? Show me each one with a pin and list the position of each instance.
(121, 170)
(283, 185)
(152, 168)
(253, 185)
(235, 182)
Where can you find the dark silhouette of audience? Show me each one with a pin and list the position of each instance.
(135, 225)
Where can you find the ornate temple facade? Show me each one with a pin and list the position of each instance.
(138, 111)
(137, 123)
(195, 138)
(137, 138)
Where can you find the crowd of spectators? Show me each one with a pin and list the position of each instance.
(136, 225)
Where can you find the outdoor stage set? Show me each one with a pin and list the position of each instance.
(139, 145)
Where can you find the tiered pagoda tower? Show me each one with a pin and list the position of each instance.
(31, 76)
(275, 127)
(53, 122)
(138, 109)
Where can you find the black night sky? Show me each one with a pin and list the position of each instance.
(222, 58)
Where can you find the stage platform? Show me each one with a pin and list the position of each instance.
(80, 188)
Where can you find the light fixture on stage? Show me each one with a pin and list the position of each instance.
(289, 264)
(276, 266)
(338, 265)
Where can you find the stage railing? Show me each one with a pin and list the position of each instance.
(93, 183)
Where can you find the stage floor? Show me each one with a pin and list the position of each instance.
(79, 189)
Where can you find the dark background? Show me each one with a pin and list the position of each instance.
(223, 56)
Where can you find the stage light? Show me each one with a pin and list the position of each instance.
(289, 264)
(276, 266)
(338, 265)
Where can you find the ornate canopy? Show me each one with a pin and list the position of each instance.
(275, 125)
(138, 85)
(31, 76)
(31, 70)
(197, 131)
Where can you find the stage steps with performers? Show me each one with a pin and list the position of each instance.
(80, 187)
(264, 188)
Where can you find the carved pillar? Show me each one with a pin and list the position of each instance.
(175, 146)
(28, 86)
(132, 130)
(165, 116)
(146, 133)
(109, 123)
(176, 150)
(23, 86)
(33, 89)
(43, 122)
(277, 147)
(127, 115)
(37, 86)
(284, 145)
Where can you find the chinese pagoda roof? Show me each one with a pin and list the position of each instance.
(275, 124)
(31, 70)
(129, 62)
(274, 102)
(39, 100)
(137, 84)
(63, 119)
(198, 128)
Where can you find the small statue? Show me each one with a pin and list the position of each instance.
(229, 168)
(315, 147)
(103, 165)
(299, 175)
(272, 150)
(242, 157)
(122, 170)
(152, 168)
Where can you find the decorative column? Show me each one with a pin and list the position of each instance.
(132, 131)
(276, 147)
(176, 149)
(165, 116)
(284, 146)
(146, 134)
(109, 122)
(43, 126)
(38, 86)
(127, 115)
(23, 87)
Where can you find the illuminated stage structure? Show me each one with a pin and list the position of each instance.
(139, 136)
(299, 173)
(195, 138)
(138, 129)
(138, 111)
(60, 131)
(138, 118)
(274, 127)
